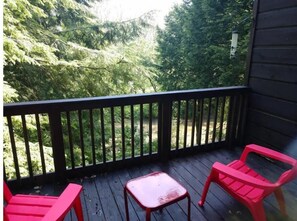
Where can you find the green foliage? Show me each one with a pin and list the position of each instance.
(194, 47)
(34, 147)
(9, 94)
(20, 43)
(58, 49)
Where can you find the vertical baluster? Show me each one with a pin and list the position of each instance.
(123, 132)
(193, 123)
(113, 134)
(70, 139)
(177, 124)
(25, 133)
(231, 125)
(200, 121)
(4, 173)
(160, 128)
(229, 119)
(40, 144)
(13, 147)
(132, 130)
(215, 120)
(237, 112)
(92, 136)
(103, 134)
(81, 133)
(150, 127)
(141, 129)
(222, 118)
(186, 124)
(208, 120)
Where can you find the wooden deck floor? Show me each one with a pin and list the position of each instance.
(102, 195)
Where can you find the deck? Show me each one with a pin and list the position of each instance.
(102, 196)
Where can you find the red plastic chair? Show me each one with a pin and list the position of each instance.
(246, 185)
(46, 208)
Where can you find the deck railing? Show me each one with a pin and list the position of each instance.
(60, 139)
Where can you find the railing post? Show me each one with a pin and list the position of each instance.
(242, 119)
(165, 112)
(230, 122)
(58, 146)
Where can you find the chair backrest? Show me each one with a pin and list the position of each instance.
(7, 192)
(288, 175)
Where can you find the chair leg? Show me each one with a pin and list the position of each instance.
(258, 211)
(281, 200)
(126, 204)
(78, 209)
(205, 190)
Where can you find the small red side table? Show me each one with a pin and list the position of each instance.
(154, 192)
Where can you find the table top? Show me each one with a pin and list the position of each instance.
(155, 189)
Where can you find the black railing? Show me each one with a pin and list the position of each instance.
(76, 137)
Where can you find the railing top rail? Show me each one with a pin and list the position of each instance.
(47, 106)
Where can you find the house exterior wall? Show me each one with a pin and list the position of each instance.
(272, 76)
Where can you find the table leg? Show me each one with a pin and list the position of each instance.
(189, 207)
(126, 204)
(148, 214)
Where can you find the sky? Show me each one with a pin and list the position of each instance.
(121, 10)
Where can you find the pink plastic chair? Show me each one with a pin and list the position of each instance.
(246, 185)
(46, 208)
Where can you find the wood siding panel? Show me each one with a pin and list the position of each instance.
(275, 72)
(273, 106)
(280, 18)
(275, 89)
(275, 55)
(284, 149)
(266, 134)
(280, 125)
(267, 5)
(279, 36)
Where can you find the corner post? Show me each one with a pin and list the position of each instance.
(58, 146)
(165, 116)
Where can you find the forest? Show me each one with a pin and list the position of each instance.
(57, 49)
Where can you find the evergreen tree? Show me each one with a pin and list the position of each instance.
(57, 49)
(194, 47)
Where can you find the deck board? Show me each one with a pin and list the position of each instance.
(103, 199)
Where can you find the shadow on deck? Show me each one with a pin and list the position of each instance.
(102, 196)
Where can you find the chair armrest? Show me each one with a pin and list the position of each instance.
(268, 153)
(242, 177)
(7, 192)
(64, 203)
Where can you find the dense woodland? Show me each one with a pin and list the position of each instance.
(57, 49)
